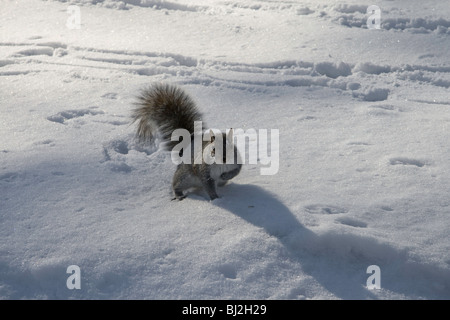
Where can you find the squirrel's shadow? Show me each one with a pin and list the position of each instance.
(338, 261)
(262, 209)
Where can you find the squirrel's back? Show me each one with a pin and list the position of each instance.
(164, 108)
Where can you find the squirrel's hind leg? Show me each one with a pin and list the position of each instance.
(183, 181)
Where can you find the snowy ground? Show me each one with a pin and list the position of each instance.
(363, 116)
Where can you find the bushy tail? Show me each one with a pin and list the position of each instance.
(163, 108)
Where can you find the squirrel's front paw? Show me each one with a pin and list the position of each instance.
(214, 196)
(179, 198)
(179, 194)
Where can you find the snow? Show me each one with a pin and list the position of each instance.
(363, 118)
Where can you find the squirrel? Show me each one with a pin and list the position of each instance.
(163, 108)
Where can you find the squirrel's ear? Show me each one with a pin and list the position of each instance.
(212, 135)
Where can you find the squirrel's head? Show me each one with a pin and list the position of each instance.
(220, 146)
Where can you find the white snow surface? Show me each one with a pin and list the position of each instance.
(364, 177)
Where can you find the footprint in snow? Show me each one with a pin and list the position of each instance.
(228, 271)
(9, 176)
(383, 110)
(324, 209)
(306, 118)
(407, 162)
(372, 94)
(351, 222)
(110, 95)
(35, 51)
(62, 116)
(116, 152)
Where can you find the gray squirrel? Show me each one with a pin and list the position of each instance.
(163, 108)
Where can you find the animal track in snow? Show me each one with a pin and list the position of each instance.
(8, 177)
(48, 51)
(382, 110)
(333, 70)
(48, 142)
(6, 62)
(116, 153)
(306, 118)
(304, 11)
(407, 162)
(62, 116)
(358, 143)
(373, 94)
(110, 95)
(342, 75)
(352, 222)
(154, 4)
(324, 209)
(119, 146)
(339, 75)
(228, 271)
(124, 146)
